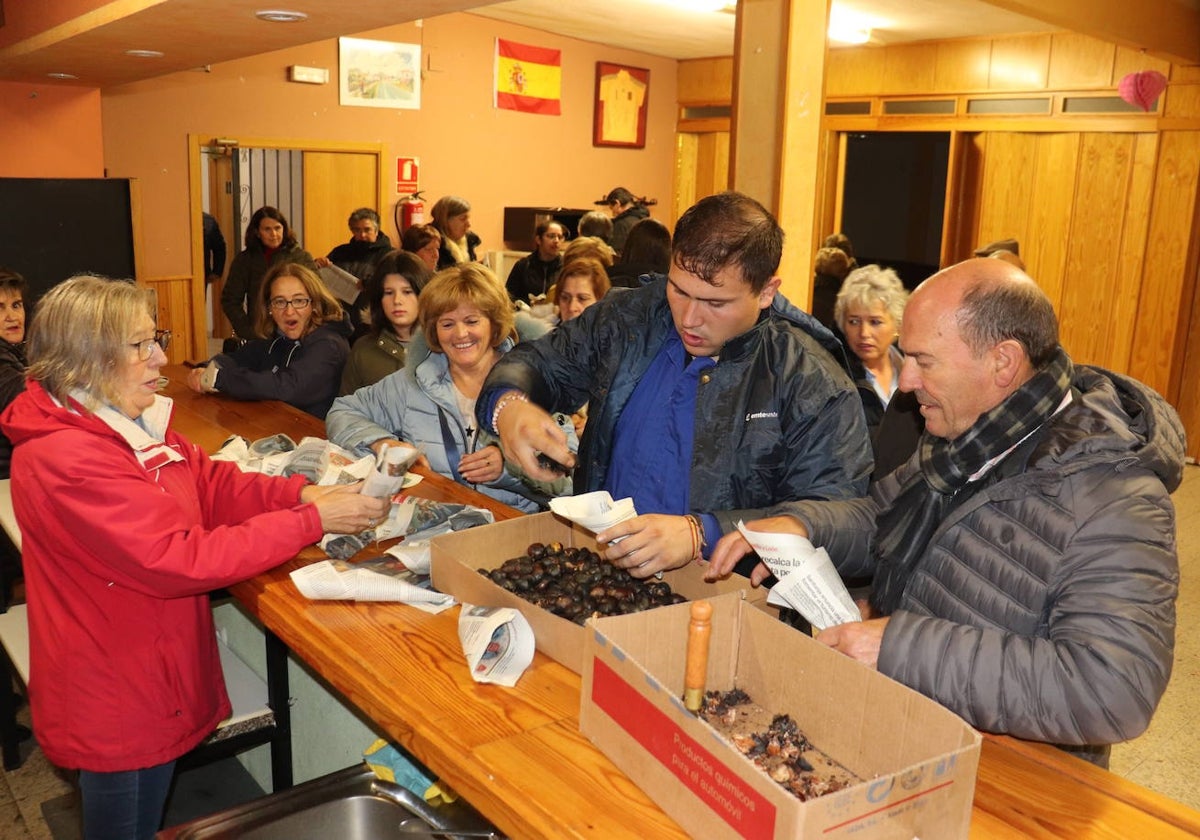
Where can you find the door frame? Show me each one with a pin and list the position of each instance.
(196, 142)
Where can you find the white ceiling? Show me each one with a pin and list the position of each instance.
(661, 28)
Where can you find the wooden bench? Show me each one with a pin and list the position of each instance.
(253, 722)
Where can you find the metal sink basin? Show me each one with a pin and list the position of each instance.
(348, 805)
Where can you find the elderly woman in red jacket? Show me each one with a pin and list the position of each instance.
(126, 526)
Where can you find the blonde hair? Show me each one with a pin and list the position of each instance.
(325, 307)
(588, 246)
(867, 286)
(80, 336)
(465, 283)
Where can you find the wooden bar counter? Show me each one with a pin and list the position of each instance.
(517, 753)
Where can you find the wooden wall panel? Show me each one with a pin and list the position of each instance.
(175, 313)
(850, 72)
(964, 189)
(686, 150)
(908, 68)
(705, 81)
(1183, 101)
(1135, 61)
(1020, 63)
(1133, 248)
(1044, 246)
(962, 66)
(1077, 61)
(1163, 302)
(1008, 168)
(1091, 285)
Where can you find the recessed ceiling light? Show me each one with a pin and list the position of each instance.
(62, 75)
(144, 53)
(280, 15)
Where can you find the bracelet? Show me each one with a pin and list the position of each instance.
(698, 541)
(506, 398)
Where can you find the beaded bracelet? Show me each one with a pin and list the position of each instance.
(698, 541)
(506, 398)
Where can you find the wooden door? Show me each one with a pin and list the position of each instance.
(336, 184)
(701, 167)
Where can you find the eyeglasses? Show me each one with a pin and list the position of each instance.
(145, 348)
(299, 304)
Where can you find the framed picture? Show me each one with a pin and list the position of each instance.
(379, 74)
(622, 96)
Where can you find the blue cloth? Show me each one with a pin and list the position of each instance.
(125, 805)
(652, 444)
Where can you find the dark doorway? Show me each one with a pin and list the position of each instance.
(894, 197)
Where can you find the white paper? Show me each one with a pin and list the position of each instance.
(498, 643)
(323, 582)
(342, 284)
(387, 473)
(808, 581)
(414, 554)
(595, 511)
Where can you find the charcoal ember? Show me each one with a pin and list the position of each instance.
(577, 583)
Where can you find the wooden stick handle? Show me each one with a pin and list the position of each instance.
(696, 669)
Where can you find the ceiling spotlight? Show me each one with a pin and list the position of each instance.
(280, 16)
(144, 53)
(64, 76)
(847, 26)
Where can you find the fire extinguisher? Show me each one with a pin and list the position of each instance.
(412, 211)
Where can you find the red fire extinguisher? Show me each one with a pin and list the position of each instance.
(412, 211)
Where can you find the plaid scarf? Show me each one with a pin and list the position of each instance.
(903, 531)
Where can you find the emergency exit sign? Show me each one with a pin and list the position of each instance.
(406, 175)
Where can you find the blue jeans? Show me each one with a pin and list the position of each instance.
(125, 805)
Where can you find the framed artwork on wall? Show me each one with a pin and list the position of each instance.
(622, 96)
(379, 74)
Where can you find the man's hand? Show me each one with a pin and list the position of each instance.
(652, 543)
(858, 639)
(525, 430)
(733, 547)
(322, 262)
(343, 509)
(482, 467)
(193, 379)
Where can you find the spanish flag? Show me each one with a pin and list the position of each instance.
(528, 78)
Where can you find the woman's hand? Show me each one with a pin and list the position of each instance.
(343, 509)
(651, 543)
(193, 379)
(482, 467)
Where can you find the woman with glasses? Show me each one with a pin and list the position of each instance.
(466, 321)
(302, 361)
(126, 527)
(270, 242)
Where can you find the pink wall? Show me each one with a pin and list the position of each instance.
(493, 158)
(50, 131)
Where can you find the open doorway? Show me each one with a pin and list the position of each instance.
(894, 198)
(315, 184)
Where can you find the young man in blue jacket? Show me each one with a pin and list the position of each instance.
(711, 397)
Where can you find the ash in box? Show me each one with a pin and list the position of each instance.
(577, 583)
(775, 744)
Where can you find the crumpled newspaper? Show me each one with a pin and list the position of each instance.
(409, 516)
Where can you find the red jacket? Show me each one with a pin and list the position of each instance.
(120, 547)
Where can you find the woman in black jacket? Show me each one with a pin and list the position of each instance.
(269, 242)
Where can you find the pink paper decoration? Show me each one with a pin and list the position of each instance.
(1142, 89)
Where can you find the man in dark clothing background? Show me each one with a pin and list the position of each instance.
(535, 273)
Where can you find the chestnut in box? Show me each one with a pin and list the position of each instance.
(457, 558)
(918, 760)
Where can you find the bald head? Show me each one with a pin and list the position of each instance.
(992, 301)
(973, 334)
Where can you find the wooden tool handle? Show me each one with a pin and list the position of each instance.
(699, 631)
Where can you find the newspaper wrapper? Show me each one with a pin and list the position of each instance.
(377, 579)
(595, 511)
(341, 283)
(808, 582)
(498, 643)
(387, 476)
(409, 517)
(318, 460)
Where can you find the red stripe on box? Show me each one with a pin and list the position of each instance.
(709, 779)
(528, 104)
(527, 52)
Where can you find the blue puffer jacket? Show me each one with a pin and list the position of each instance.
(776, 419)
(1044, 606)
(417, 404)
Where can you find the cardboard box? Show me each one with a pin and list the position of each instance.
(457, 558)
(917, 758)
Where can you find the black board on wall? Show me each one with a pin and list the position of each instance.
(53, 228)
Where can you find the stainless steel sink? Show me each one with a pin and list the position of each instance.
(348, 805)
